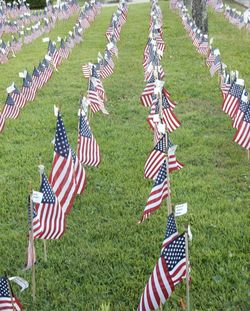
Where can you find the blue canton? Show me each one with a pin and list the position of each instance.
(84, 129)
(61, 140)
(174, 252)
(48, 194)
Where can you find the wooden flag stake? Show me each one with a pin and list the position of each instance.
(32, 246)
(10, 290)
(167, 160)
(187, 270)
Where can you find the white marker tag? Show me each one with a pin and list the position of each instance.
(180, 209)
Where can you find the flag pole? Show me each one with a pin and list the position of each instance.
(10, 290)
(32, 246)
(248, 155)
(169, 206)
(187, 270)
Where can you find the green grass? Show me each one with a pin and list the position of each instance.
(105, 257)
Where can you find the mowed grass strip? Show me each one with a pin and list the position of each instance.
(105, 256)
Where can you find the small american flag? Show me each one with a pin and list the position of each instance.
(107, 68)
(155, 159)
(27, 91)
(96, 103)
(86, 70)
(242, 137)
(216, 66)
(19, 100)
(49, 222)
(225, 86)
(146, 96)
(210, 59)
(158, 193)
(168, 272)
(231, 103)
(10, 109)
(171, 231)
(87, 149)
(8, 301)
(79, 173)
(37, 79)
(62, 176)
(244, 103)
(169, 117)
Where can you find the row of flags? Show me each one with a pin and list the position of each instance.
(98, 72)
(172, 264)
(17, 99)
(235, 96)
(241, 20)
(14, 9)
(29, 34)
(50, 206)
(16, 24)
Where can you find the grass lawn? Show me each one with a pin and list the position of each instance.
(105, 256)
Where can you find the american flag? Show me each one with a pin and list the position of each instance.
(27, 91)
(168, 272)
(216, 66)
(225, 86)
(62, 176)
(56, 58)
(49, 221)
(97, 82)
(242, 136)
(87, 148)
(37, 79)
(210, 59)
(10, 109)
(2, 122)
(171, 231)
(146, 96)
(86, 70)
(79, 173)
(8, 301)
(48, 71)
(231, 103)
(158, 155)
(155, 159)
(169, 117)
(203, 48)
(244, 103)
(158, 193)
(19, 100)
(64, 51)
(107, 69)
(96, 103)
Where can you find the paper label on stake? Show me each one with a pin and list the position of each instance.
(37, 196)
(180, 209)
(161, 128)
(20, 281)
(21, 75)
(11, 88)
(56, 111)
(240, 82)
(45, 40)
(47, 57)
(156, 118)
